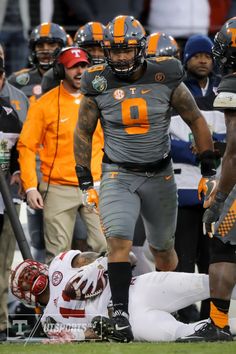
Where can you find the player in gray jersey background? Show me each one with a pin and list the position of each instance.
(133, 98)
(220, 218)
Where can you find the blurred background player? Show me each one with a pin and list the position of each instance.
(14, 31)
(10, 127)
(17, 103)
(88, 37)
(220, 219)
(46, 40)
(161, 44)
(191, 245)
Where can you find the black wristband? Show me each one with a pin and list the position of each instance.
(85, 177)
(208, 163)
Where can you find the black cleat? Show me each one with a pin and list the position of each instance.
(208, 332)
(117, 329)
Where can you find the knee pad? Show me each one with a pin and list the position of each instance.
(222, 252)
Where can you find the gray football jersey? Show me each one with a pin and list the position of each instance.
(135, 116)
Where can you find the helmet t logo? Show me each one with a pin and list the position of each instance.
(76, 52)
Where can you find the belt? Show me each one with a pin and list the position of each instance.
(155, 166)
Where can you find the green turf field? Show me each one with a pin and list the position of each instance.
(112, 348)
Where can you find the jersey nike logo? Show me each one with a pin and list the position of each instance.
(168, 177)
(120, 328)
(145, 91)
(62, 120)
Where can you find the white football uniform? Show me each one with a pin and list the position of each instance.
(65, 312)
(152, 299)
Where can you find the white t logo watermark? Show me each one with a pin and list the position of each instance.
(19, 324)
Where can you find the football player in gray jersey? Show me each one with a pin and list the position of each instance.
(133, 98)
(220, 218)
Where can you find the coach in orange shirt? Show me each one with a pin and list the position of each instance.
(48, 130)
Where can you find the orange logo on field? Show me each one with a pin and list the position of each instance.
(119, 94)
(160, 77)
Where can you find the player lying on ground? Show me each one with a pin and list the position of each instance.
(75, 290)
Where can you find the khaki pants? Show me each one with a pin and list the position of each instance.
(7, 249)
(60, 208)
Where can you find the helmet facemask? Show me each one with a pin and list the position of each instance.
(29, 280)
(88, 36)
(46, 33)
(124, 33)
(224, 49)
(125, 68)
(45, 59)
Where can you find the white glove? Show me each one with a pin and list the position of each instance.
(91, 273)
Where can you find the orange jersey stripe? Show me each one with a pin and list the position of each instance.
(97, 31)
(119, 29)
(45, 29)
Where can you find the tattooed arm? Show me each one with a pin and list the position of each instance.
(86, 125)
(228, 172)
(185, 105)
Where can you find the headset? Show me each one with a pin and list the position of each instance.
(58, 68)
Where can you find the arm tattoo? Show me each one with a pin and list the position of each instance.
(184, 103)
(85, 127)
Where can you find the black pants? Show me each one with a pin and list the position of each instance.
(192, 246)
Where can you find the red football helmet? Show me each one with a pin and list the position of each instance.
(29, 280)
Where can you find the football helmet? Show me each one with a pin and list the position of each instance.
(224, 48)
(124, 32)
(160, 44)
(70, 42)
(91, 35)
(49, 33)
(28, 280)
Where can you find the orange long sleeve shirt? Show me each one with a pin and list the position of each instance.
(49, 130)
